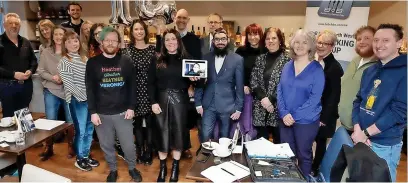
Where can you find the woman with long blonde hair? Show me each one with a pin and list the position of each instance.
(45, 26)
(84, 34)
(72, 69)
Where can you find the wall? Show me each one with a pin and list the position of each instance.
(284, 14)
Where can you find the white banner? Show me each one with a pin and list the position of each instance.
(342, 17)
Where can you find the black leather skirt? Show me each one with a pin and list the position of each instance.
(172, 121)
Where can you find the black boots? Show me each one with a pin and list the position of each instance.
(48, 151)
(112, 177)
(163, 171)
(175, 171)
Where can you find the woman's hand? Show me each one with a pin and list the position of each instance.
(288, 120)
(265, 102)
(156, 109)
(247, 90)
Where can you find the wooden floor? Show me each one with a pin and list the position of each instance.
(61, 165)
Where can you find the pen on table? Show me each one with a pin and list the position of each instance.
(228, 172)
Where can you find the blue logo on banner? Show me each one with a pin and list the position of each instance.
(335, 9)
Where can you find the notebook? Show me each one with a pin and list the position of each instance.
(226, 172)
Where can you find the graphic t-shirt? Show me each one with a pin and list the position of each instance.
(110, 84)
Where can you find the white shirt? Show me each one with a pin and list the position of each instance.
(321, 62)
(218, 63)
(363, 61)
(211, 38)
(183, 33)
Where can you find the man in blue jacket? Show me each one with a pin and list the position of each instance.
(221, 97)
(380, 109)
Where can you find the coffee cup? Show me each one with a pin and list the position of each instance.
(6, 121)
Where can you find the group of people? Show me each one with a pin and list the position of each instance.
(296, 93)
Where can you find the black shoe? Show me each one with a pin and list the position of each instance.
(148, 156)
(83, 165)
(163, 171)
(91, 162)
(47, 154)
(112, 177)
(174, 171)
(136, 176)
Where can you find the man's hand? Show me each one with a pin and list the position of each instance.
(95, 119)
(288, 120)
(28, 73)
(247, 90)
(359, 136)
(194, 78)
(20, 76)
(129, 114)
(156, 109)
(200, 111)
(236, 115)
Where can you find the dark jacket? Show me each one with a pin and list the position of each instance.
(224, 90)
(382, 100)
(362, 163)
(331, 96)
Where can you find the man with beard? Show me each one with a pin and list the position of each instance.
(110, 87)
(350, 82)
(75, 21)
(221, 96)
(17, 64)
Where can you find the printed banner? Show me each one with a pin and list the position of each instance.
(344, 18)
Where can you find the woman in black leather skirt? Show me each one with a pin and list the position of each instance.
(169, 98)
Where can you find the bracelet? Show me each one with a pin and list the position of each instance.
(366, 133)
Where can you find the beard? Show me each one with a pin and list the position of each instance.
(365, 54)
(110, 50)
(220, 52)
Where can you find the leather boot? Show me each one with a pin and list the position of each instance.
(175, 171)
(48, 150)
(139, 154)
(70, 136)
(163, 171)
(148, 155)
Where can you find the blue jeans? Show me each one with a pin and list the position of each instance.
(391, 154)
(83, 127)
(52, 105)
(208, 123)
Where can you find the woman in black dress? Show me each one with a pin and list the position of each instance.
(141, 54)
(169, 98)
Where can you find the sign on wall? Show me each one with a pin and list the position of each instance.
(344, 18)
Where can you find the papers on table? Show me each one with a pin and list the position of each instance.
(262, 148)
(45, 124)
(226, 172)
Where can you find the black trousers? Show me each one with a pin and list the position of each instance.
(15, 96)
(319, 154)
(172, 121)
(264, 131)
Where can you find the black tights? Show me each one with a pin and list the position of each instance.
(143, 134)
(263, 131)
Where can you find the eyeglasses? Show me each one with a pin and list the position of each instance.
(224, 39)
(114, 42)
(324, 44)
(213, 22)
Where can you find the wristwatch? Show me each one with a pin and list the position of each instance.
(366, 133)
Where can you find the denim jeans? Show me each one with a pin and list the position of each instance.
(83, 127)
(52, 105)
(391, 154)
(15, 96)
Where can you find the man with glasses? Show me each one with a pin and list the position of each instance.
(17, 64)
(110, 87)
(214, 21)
(221, 96)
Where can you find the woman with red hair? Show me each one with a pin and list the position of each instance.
(250, 51)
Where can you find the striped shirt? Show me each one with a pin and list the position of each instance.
(72, 73)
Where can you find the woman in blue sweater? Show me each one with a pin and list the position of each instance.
(299, 92)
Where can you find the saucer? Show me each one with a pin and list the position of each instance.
(206, 145)
(221, 156)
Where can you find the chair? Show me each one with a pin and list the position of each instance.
(340, 138)
(34, 174)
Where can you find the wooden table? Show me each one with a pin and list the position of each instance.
(195, 172)
(32, 138)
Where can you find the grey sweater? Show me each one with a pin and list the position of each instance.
(47, 69)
